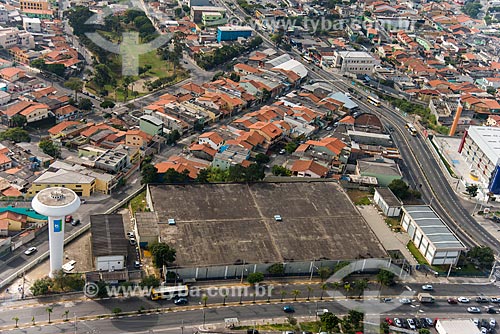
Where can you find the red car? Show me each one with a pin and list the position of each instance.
(68, 219)
(389, 321)
(452, 301)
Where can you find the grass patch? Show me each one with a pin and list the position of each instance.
(414, 251)
(310, 326)
(393, 224)
(269, 327)
(358, 195)
(138, 203)
(446, 164)
(159, 67)
(363, 201)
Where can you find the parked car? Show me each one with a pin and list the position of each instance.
(452, 301)
(481, 299)
(495, 300)
(429, 322)
(75, 222)
(130, 235)
(491, 310)
(180, 301)
(137, 264)
(68, 219)
(397, 322)
(133, 242)
(386, 300)
(493, 323)
(30, 251)
(427, 287)
(288, 309)
(389, 321)
(463, 300)
(473, 310)
(411, 324)
(282, 151)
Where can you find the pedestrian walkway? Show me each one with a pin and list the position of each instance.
(390, 240)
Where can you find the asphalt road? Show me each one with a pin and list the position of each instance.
(17, 261)
(191, 320)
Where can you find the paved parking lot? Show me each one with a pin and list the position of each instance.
(228, 223)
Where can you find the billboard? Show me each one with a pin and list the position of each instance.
(57, 225)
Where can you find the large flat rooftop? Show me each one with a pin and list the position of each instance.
(231, 223)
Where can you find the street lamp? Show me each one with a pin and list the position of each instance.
(312, 271)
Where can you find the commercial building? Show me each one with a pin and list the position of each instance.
(356, 62)
(480, 148)
(112, 161)
(147, 228)
(197, 12)
(109, 245)
(151, 125)
(387, 202)
(385, 170)
(456, 326)
(232, 33)
(211, 19)
(432, 237)
(82, 185)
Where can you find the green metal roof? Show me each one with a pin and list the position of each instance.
(24, 211)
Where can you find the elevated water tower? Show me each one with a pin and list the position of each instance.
(56, 203)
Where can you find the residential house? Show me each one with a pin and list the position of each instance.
(67, 112)
(11, 222)
(212, 139)
(308, 168)
(12, 74)
(180, 164)
(137, 138)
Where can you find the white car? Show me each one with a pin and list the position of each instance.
(405, 301)
(30, 251)
(493, 323)
(463, 300)
(484, 330)
(321, 312)
(473, 309)
(411, 323)
(427, 287)
(397, 322)
(476, 321)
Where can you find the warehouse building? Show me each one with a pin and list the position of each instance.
(387, 202)
(432, 237)
(232, 33)
(197, 12)
(480, 148)
(109, 245)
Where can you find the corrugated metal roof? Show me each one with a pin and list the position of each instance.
(108, 235)
(434, 228)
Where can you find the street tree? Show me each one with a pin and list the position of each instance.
(310, 289)
(150, 281)
(16, 135)
(261, 158)
(330, 322)
(255, 278)
(472, 190)
(204, 298)
(481, 256)
(75, 84)
(385, 277)
(324, 273)
(276, 269)
(323, 287)
(41, 286)
(66, 315)
(16, 319)
(360, 285)
(49, 310)
(149, 174)
(295, 294)
(18, 120)
(48, 147)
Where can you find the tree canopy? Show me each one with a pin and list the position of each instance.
(48, 147)
(162, 254)
(17, 135)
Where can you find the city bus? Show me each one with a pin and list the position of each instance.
(169, 292)
(374, 101)
(411, 129)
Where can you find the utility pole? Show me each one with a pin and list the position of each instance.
(74, 313)
(24, 281)
(182, 326)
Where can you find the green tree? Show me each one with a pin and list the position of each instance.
(323, 287)
(424, 331)
(224, 294)
(482, 256)
(330, 322)
(107, 104)
(283, 294)
(360, 285)
(18, 120)
(16, 319)
(324, 273)
(162, 254)
(385, 277)
(202, 176)
(75, 84)
(149, 174)
(150, 281)
(17, 135)
(280, 171)
(85, 104)
(291, 147)
(266, 95)
(276, 269)
(491, 90)
(174, 177)
(48, 147)
(310, 289)
(261, 158)
(41, 286)
(295, 294)
(49, 310)
(472, 8)
(204, 299)
(472, 190)
(399, 188)
(173, 137)
(255, 278)
(116, 311)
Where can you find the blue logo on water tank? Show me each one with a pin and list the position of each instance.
(57, 225)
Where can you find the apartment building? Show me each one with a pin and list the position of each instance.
(356, 62)
(11, 37)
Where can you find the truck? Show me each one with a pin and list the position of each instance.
(425, 297)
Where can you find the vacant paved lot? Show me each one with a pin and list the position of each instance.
(227, 223)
